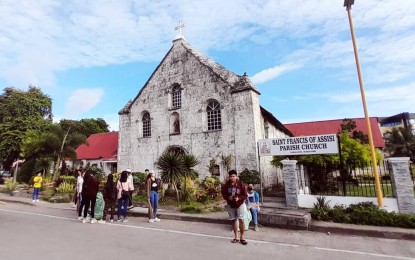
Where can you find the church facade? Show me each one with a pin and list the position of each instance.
(193, 105)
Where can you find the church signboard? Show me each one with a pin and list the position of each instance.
(300, 145)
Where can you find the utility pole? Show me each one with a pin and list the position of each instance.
(348, 4)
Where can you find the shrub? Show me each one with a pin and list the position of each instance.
(68, 179)
(322, 203)
(9, 185)
(191, 209)
(365, 213)
(212, 186)
(250, 176)
(139, 180)
(65, 187)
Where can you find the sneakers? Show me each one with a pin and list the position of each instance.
(101, 221)
(256, 228)
(119, 220)
(157, 219)
(111, 220)
(80, 218)
(93, 221)
(125, 220)
(84, 220)
(151, 220)
(37, 200)
(33, 200)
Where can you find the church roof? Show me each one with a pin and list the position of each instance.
(333, 127)
(100, 146)
(271, 118)
(237, 83)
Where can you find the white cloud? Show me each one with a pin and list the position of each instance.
(272, 73)
(82, 101)
(39, 38)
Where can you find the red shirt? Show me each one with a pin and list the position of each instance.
(230, 191)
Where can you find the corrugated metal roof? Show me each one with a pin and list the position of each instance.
(333, 127)
(102, 145)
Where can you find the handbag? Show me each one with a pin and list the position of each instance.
(124, 193)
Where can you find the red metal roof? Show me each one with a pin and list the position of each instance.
(103, 145)
(333, 127)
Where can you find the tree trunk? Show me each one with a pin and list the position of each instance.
(56, 173)
(177, 192)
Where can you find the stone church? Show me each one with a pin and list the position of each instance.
(191, 104)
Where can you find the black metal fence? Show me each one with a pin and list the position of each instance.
(358, 180)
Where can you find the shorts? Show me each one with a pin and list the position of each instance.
(236, 213)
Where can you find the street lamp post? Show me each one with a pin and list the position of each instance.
(348, 4)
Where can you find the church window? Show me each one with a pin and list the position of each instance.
(216, 171)
(146, 125)
(177, 97)
(213, 116)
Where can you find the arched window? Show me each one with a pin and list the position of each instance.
(213, 116)
(146, 125)
(177, 97)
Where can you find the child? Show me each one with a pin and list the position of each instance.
(99, 208)
(37, 183)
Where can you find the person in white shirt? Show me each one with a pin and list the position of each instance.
(131, 188)
(79, 182)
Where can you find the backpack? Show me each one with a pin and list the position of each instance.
(99, 206)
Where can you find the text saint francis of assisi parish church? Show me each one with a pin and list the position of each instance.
(193, 105)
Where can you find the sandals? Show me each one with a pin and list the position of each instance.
(243, 241)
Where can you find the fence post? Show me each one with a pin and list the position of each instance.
(403, 188)
(290, 182)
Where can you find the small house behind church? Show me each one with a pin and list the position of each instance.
(101, 151)
(191, 104)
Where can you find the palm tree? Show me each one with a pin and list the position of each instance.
(172, 169)
(400, 142)
(175, 166)
(54, 142)
(43, 165)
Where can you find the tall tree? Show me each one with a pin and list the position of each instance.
(400, 142)
(21, 111)
(54, 142)
(85, 126)
(349, 126)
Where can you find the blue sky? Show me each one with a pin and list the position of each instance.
(91, 57)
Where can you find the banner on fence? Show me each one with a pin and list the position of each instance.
(301, 145)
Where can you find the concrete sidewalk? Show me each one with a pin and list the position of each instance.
(222, 218)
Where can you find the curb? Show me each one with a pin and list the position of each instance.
(5, 201)
(314, 225)
(172, 216)
(362, 230)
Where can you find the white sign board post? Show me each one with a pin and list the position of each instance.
(301, 145)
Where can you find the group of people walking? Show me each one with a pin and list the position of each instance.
(114, 194)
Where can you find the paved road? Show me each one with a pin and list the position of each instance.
(34, 232)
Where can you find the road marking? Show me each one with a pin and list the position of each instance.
(362, 253)
(213, 236)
